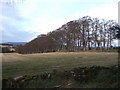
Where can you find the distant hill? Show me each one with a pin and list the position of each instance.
(14, 43)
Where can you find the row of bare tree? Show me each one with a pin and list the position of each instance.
(84, 34)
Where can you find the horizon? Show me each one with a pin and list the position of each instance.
(25, 20)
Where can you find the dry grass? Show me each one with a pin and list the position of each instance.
(20, 64)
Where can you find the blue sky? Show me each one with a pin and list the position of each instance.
(23, 20)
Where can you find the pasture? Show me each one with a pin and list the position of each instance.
(14, 64)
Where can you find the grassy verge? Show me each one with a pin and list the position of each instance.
(82, 77)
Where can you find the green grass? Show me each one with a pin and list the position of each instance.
(14, 64)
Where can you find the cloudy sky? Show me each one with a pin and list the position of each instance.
(23, 20)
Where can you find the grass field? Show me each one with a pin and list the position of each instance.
(14, 64)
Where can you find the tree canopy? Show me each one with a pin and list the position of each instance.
(85, 33)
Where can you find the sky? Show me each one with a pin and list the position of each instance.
(23, 20)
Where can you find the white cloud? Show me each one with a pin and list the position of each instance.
(43, 25)
(71, 0)
(109, 11)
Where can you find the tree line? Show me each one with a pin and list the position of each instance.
(85, 33)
